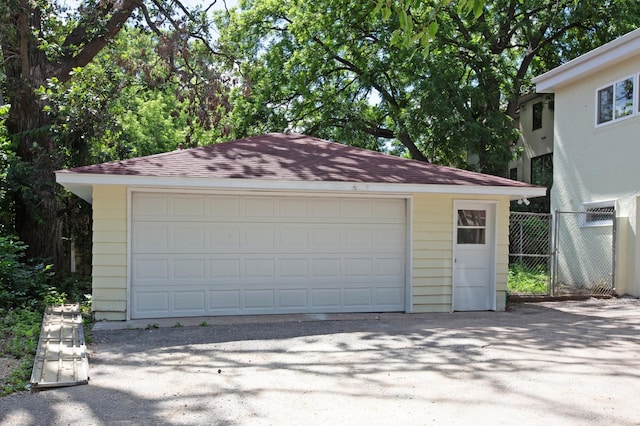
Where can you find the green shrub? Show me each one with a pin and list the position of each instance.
(23, 284)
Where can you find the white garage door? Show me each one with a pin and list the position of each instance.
(195, 255)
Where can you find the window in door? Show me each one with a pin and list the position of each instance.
(472, 226)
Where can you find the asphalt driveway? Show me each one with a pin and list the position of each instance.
(553, 363)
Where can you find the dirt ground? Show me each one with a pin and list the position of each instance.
(565, 363)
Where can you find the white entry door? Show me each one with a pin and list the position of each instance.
(474, 256)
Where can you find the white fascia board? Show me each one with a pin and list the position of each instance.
(604, 56)
(82, 184)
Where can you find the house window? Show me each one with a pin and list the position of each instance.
(513, 173)
(537, 116)
(542, 170)
(615, 101)
(599, 214)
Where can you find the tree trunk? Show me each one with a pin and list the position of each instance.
(36, 196)
(38, 222)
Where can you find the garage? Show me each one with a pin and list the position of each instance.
(284, 223)
(214, 254)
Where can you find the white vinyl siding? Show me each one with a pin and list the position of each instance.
(109, 268)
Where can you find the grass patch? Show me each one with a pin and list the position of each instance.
(19, 333)
(527, 280)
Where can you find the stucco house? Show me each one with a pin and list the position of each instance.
(535, 123)
(596, 147)
(286, 223)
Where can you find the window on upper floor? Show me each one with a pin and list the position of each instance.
(513, 173)
(542, 170)
(615, 101)
(537, 116)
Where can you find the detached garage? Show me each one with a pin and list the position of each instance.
(286, 223)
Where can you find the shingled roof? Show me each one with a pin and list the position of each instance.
(283, 161)
(292, 157)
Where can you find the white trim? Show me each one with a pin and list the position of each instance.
(604, 56)
(408, 294)
(129, 238)
(215, 191)
(492, 204)
(81, 183)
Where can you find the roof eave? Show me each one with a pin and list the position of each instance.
(82, 185)
(604, 56)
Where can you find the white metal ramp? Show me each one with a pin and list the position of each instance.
(61, 358)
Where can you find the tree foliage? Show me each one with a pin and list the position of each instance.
(67, 108)
(337, 69)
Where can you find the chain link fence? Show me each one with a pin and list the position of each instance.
(584, 252)
(530, 253)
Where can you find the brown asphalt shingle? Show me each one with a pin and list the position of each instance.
(293, 157)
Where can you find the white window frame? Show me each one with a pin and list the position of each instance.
(598, 205)
(635, 99)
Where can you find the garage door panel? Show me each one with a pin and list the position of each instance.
(358, 267)
(390, 267)
(324, 208)
(189, 301)
(357, 297)
(292, 238)
(224, 268)
(191, 269)
(186, 236)
(223, 207)
(224, 301)
(390, 238)
(276, 255)
(259, 207)
(293, 208)
(293, 268)
(324, 238)
(185, 207)
(150, 236)
(356, 209)
(150, 206)
(259, 299)
(259, 268)
(151, 302)
(358, 239)
(389, 297)
(325, 298)
(390, 211)
(150, 269)
(293, 298)
(257, 237)
(325, 268)
(222, 237)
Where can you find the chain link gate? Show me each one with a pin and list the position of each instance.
(530, 253)
(584, 253)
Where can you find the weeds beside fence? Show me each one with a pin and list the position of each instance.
(529, 253)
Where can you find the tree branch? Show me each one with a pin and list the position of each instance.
(121, 11)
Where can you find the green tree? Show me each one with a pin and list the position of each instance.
(43, 48)
(334, 68)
